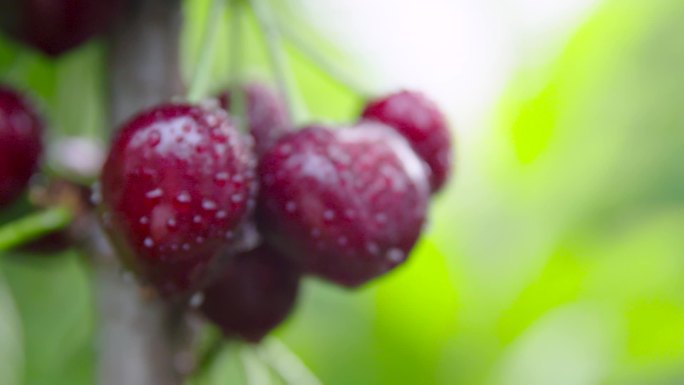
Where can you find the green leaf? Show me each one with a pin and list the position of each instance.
(11, 344)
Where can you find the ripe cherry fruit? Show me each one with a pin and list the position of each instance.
(419, 120)
(346, 204)
(267, 118)
(55, 26)
(254, 294)
(177, 183)
(20, 144)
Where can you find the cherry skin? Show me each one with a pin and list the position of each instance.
(419, 120)
(253, 295)
(346, 204)
(56, 26)
(20, 144)
(177, 183)
(267, 118)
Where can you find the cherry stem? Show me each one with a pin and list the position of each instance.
(208, 355)
(276, 55)
(200, 79)
(308, 49)
(33, 226)
(237, 96)
(286, 364)
(255, 372)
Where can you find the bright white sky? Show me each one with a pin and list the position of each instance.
(461, 52)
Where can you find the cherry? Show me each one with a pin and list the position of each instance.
(20, 144)
(267, 117)
(56, 26)
(254, 294)
(177, 183)
(417, 118)
(346, 204)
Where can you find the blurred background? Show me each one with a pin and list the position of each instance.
(556, 255)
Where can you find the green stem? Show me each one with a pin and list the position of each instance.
(276, 54)
(256, 373)
(33, 227)
(208, 356)
(237, 96)
(315, 55)
(287, 365)
(200, 79)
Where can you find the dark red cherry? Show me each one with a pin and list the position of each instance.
(20, 144)
(254, 294)
(56, 26)
(267, 118)
(417, 118)
(346, 204)
(177, 183)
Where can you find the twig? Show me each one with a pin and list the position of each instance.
(237, 96)
(287, 365)
(33, 226)
(315, 55)
(140, 340)
(207, 357)
(200, 79)
(276, 55)
(256, 373)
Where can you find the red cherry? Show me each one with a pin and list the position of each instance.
(419, 120)
(20, 144)
(177, 183)
(254, 294)
(56, 26)
(267, 118)
(346, 204)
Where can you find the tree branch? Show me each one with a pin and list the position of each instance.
(140, 339)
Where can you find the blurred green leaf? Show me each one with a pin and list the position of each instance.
(11, 346)
(53, 297)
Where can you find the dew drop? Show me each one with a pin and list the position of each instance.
(236, 198)
(381, 217)
(183, 197)
(237, 178)
(186, 246)
(153, 138)
(148, 242)
(171, 222)
(328, 215)
(208, 204)
(144, 220)
(373, 248)
(199, 240)
(290, 206)
(96, 194)
(286, 149)
(315, 232)
(156, 193)
(229, 235)
(221, 214)
(197, 219)
(196, 300)
(212, 120)
(222, 176)
(342, 240)
(395, 255)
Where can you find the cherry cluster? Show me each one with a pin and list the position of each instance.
(183, 190)
(198, 200)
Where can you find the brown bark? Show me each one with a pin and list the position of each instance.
(139, 339)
